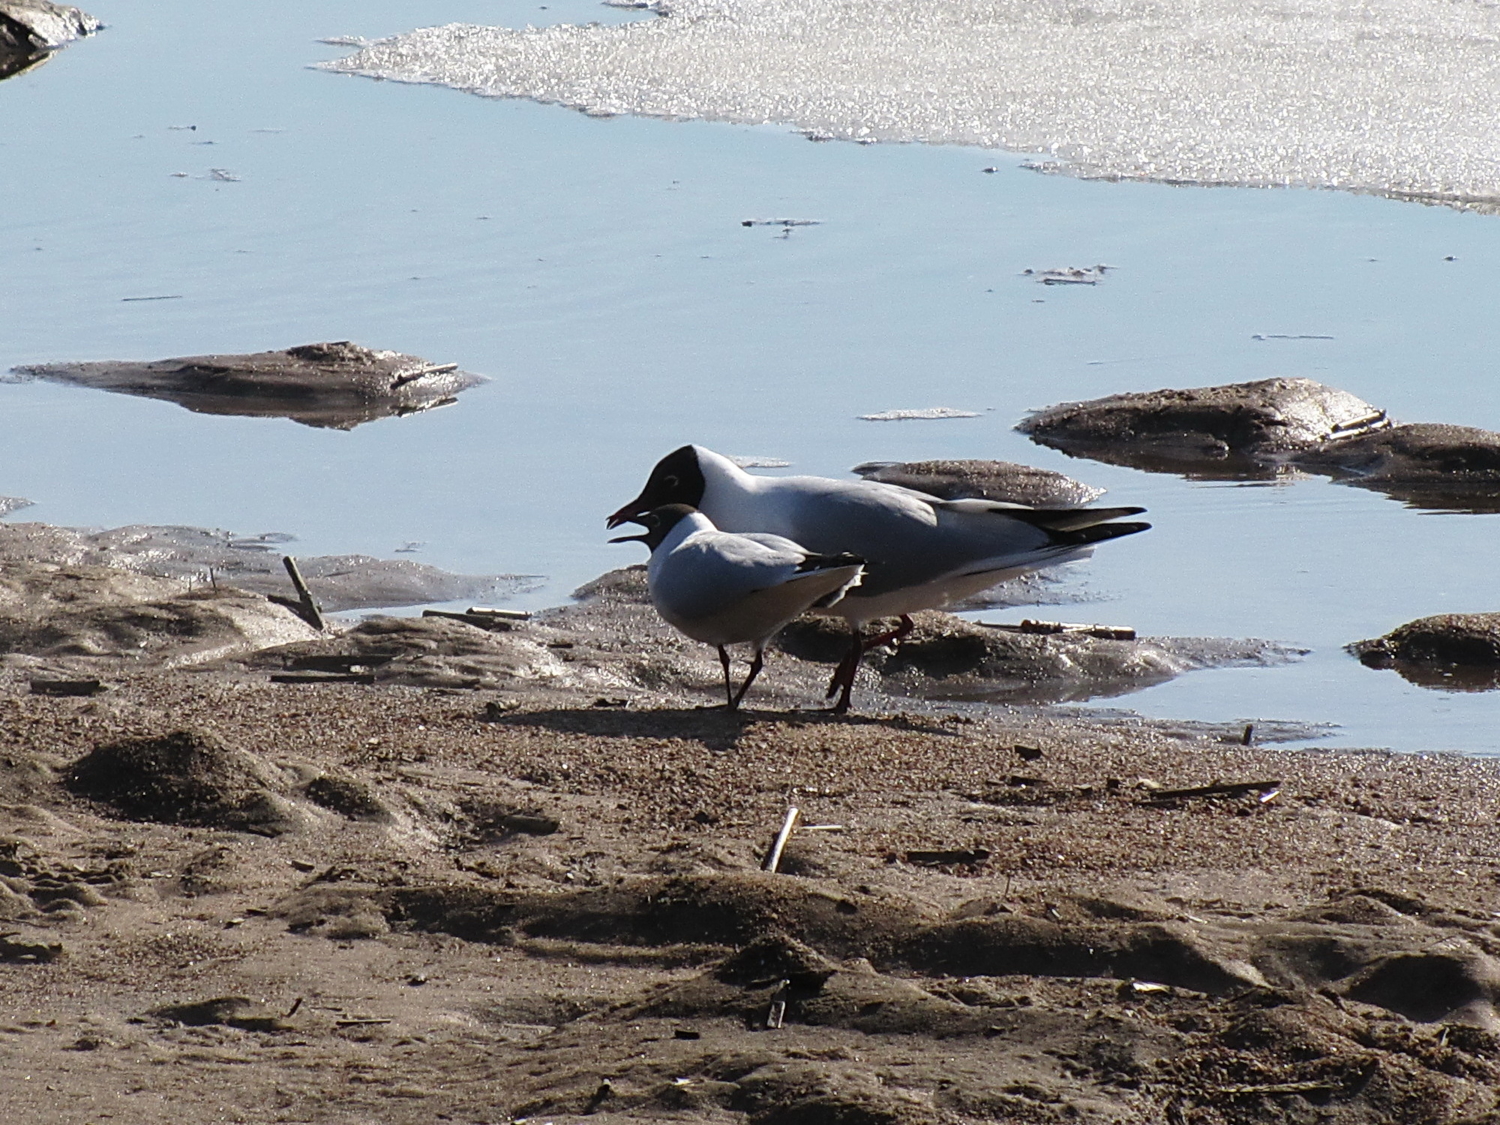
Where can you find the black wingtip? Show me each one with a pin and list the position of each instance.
(1101, 532)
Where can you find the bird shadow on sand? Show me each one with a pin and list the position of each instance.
(714, 727)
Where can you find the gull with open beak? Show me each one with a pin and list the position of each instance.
(722, 588)
(920, 552)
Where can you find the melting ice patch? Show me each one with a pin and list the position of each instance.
(928, 413)
(1397, 97)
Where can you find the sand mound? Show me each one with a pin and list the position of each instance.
(185, 777)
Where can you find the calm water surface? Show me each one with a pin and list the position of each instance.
(597, 270)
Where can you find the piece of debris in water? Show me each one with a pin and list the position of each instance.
(1069, 275)
(926, 414)
(335, 385)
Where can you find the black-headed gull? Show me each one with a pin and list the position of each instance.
(722, 589)
(920, 552)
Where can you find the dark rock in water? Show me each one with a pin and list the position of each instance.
(947, 657)
(335, 385)
(1456, 651)
(31, 29)
(1424, 464)
(1206, 428)
(185, 777)
(987, 480)
(1249, 431)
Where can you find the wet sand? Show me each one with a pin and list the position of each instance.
(544, 900)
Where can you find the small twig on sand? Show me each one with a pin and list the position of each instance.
(773, 861)
(1310, 1087)
(777, 1014)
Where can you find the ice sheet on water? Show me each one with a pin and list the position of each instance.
(1389, 96)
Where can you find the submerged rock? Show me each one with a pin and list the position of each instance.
(333, 385)
(1205, 427)
(1458, 651)
(947, 657)
(1250, 431)
(1425, 464)
(31, 29)
(253, 563)
(987, 480)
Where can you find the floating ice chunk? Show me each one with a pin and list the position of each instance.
(1069, 275)
(760, 462)
(926, 414)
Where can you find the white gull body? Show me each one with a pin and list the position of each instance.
(723, 588)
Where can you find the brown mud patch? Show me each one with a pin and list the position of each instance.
(551, 908)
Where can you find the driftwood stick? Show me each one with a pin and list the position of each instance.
(773, 861)
(309, 611)
(1230, 789)
(1310, 1087)
(1047, 628)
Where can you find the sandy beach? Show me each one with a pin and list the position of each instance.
(233, 899)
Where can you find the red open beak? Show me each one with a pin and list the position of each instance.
(628, 512)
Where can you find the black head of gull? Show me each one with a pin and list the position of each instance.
(658, 523)
(677, 479)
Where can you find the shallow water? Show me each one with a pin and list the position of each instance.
(598, 271)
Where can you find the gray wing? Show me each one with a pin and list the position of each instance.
(908, 538)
